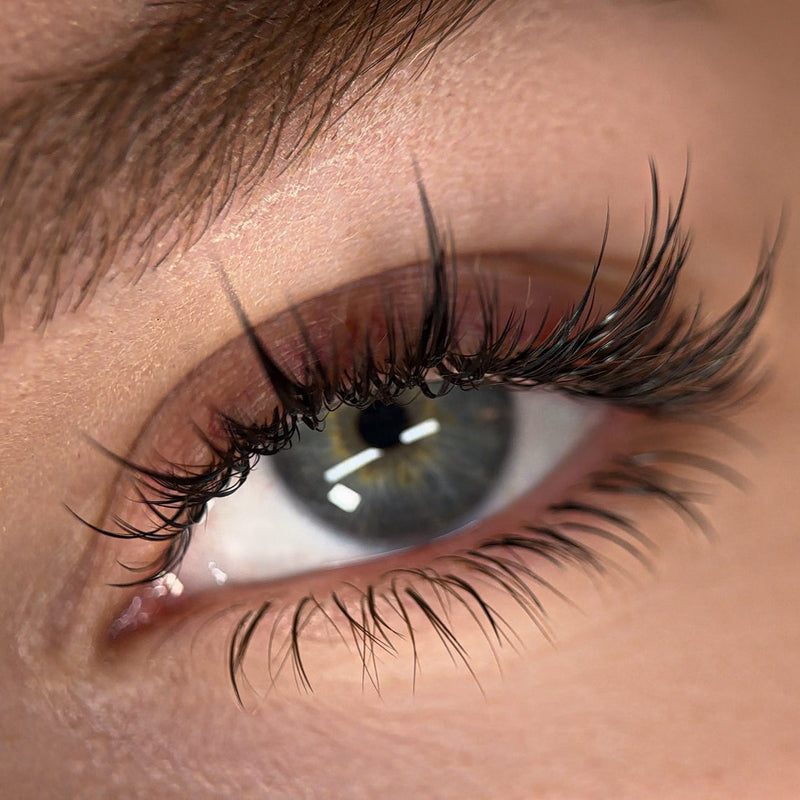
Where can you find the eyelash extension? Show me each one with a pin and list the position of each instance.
(638, 355)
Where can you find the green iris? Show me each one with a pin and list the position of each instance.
(405, 471)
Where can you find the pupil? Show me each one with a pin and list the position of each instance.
(381, 424)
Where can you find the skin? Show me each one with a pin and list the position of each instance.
(526, 128)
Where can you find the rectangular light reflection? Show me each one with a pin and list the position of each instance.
(345, 498)
(424, 429)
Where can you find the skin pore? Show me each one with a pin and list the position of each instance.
(526, 128)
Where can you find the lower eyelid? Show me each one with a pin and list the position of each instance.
(283, 621)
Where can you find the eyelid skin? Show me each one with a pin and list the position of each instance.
(336, 327)
(635, 353)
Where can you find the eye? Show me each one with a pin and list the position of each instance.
(418, 421)
(383, 478)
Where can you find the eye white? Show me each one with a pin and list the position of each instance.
(262, 532)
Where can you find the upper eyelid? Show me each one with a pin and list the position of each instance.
(117, 124)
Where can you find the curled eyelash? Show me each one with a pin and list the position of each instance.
(637, 355)
(374, 621)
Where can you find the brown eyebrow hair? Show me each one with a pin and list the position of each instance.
(114, 166)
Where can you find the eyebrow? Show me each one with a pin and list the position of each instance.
(115, 166)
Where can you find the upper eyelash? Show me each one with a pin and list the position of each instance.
(636, 355)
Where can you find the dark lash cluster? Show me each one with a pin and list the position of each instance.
(638, 354)
(373, 621)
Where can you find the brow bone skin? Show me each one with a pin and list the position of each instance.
(137, 153)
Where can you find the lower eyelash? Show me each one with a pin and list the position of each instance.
(374, 620)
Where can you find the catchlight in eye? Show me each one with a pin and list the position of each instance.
(384, 478)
